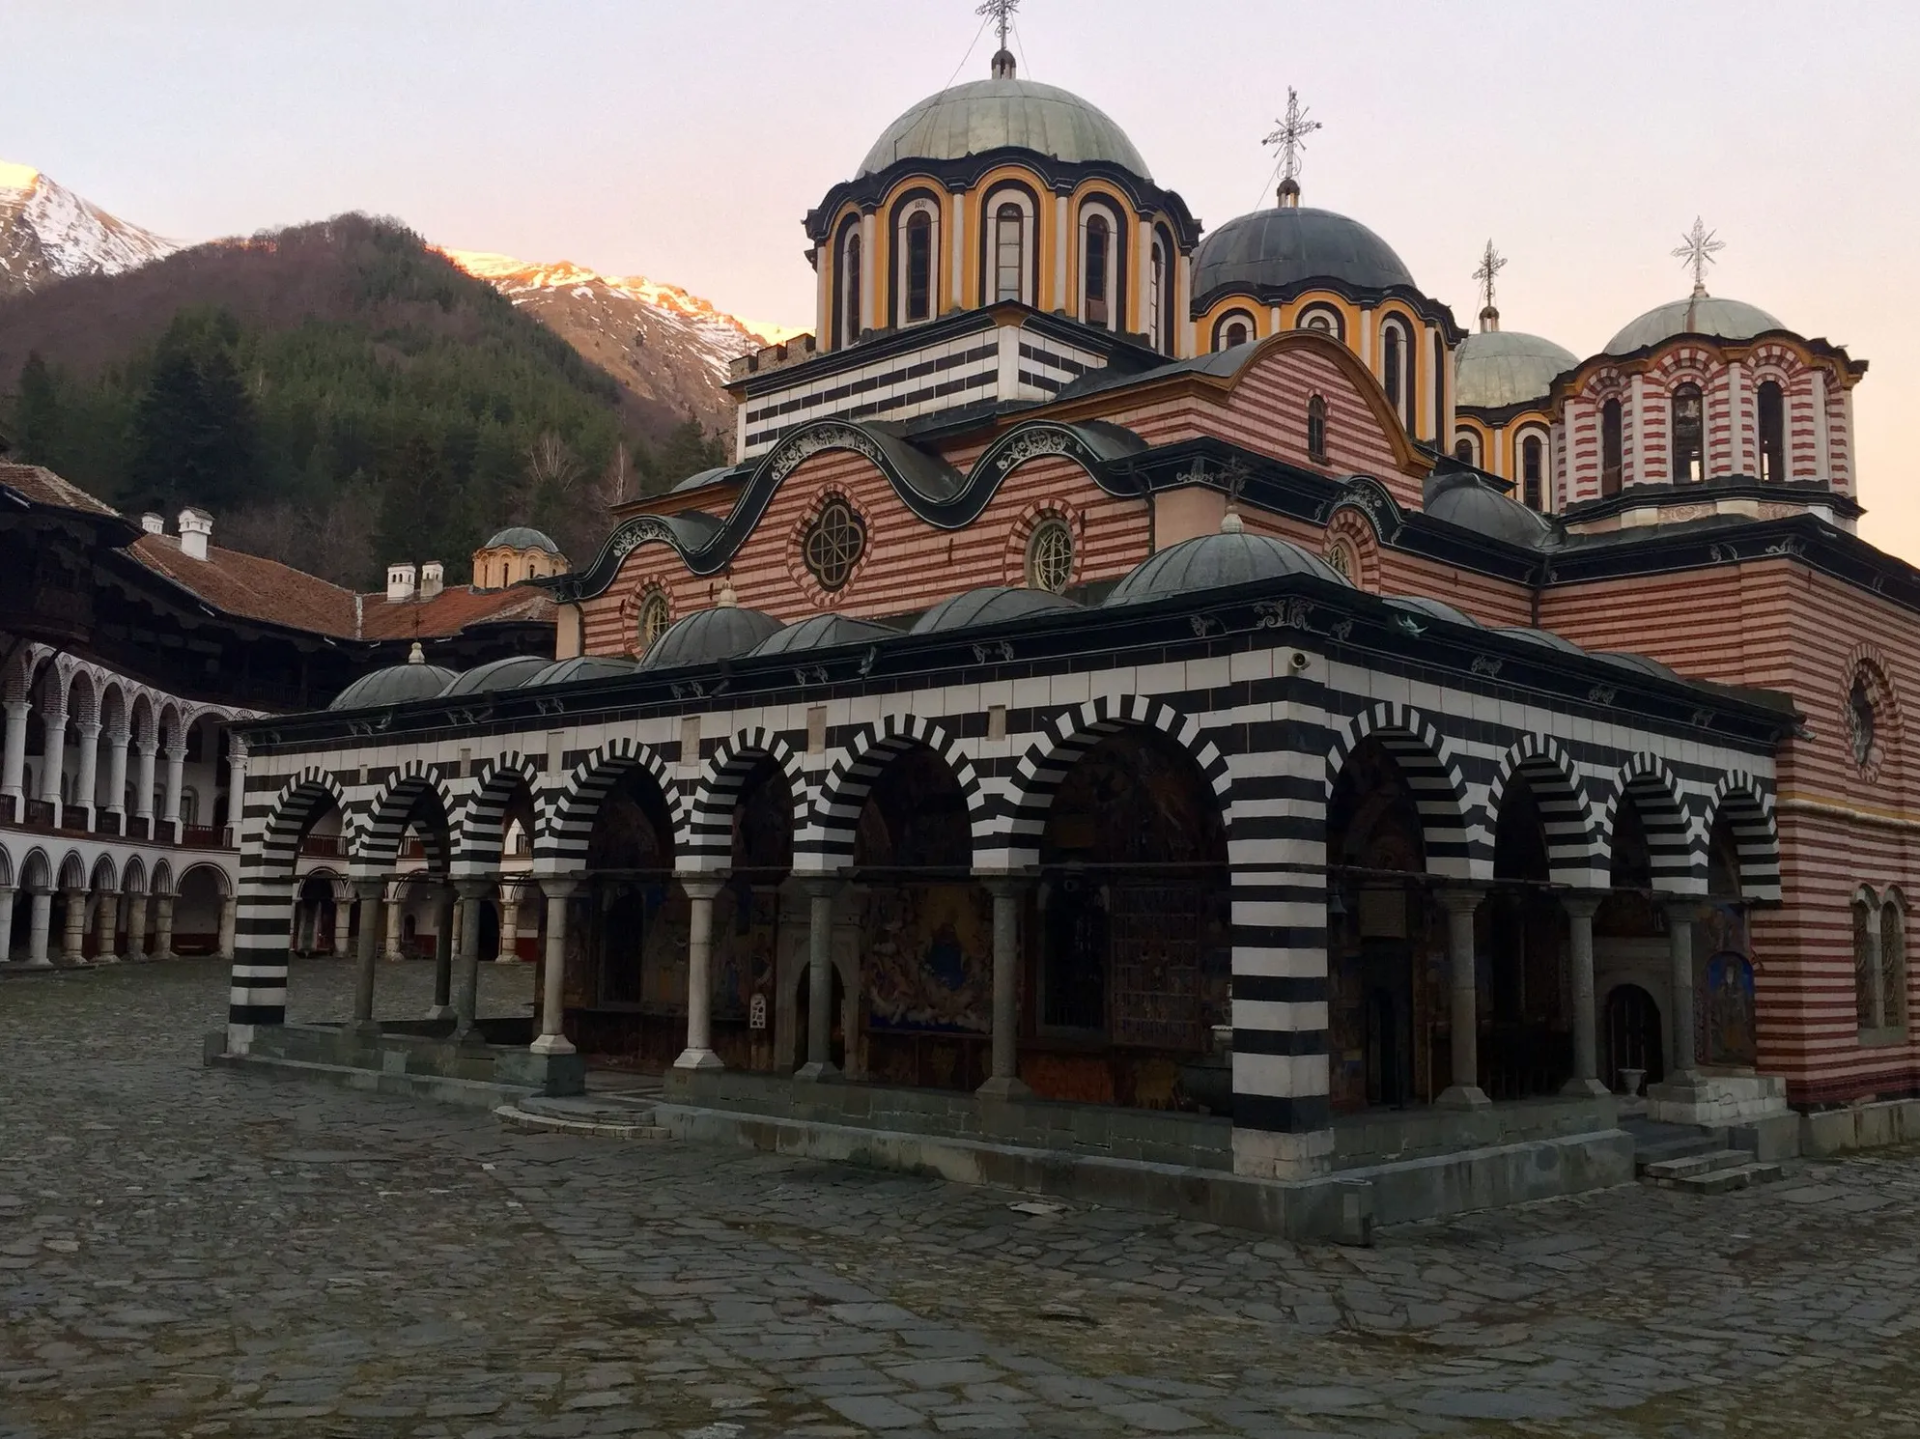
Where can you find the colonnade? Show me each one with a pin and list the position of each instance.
(114, 924)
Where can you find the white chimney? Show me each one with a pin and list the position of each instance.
(432, 579)
(153, 524)
(196, 528)
(399, 583)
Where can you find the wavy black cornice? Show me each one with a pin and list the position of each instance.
(930, 487)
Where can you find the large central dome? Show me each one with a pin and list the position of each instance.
(1285, 245)
(990, 114)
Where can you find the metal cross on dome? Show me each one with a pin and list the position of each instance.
(1492, 262)
(1697, 249)
(1290, 135)
(1001, 13)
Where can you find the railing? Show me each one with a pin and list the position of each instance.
(139, 826)
(413, 849)
(200, 836)
(323, 846)
(105, 821)
(39, 814)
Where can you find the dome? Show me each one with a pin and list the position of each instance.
(1433, 610)
(707, 635)
(506, 674)
(1473, 506)
(396, 684)
(703, 478)
(1546, 639)
(522, 537)
(1497, 368)
(579, 669)
(1699, 315)
(990, 605)
(986, 115)
(1285, 245)
(822, 632)
(1231, 557)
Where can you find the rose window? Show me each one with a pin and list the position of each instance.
(833, 543)
(1050, 555)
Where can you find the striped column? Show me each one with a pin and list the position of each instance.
(259, 994)
(1277, 848)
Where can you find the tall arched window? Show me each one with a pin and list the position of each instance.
(1610, 464)
(1317, 428)
(1866, 966)
(1533, 463)
(1893, 963)
(1396, 365)
(1009, 252)
(917, 262)
(1773, 433)
(1689, 459)
(1233, 328)
(1159, 287)
(1096, 269)
(1323, 318)
(1463, 450)
(1236, 334)
(850, 286)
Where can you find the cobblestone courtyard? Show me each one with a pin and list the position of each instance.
(190, 1251)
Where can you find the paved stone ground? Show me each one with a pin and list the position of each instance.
(193, 1252)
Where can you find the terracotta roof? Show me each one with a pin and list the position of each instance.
(44, 487)
(452, 610)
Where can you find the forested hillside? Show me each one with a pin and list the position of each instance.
(337, 395)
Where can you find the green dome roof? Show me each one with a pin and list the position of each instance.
(1231, 557)
(987, 115)
(989, 605)
(707, 635)
(1697, 315)
(396, 684)
(1497, 368)
(522, 537)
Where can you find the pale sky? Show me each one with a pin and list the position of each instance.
(685, 141)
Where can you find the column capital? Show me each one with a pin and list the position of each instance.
(19, 709)
(704, 885)
(555, 886)
(1583, 903)
(148, 746)
(88, 729)
(177, 752)
(1681, 909)
(823, 886)
(473, 888)
(236, 746)
(1010, 882)
(370, 890)
(1461, 899)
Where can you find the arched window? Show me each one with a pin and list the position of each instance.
(1323, 318)
(1233, 328)
(1236, 334)
(1532, 467)
(1317, 428)
(1050, 555)
(1009, 252)
(1159, 287)
(1610, 464)
(1096, 270)
(1773, 433)
(850, 286)
(1866, 965)
(1396, 366)
(1689, 459)
(651, 622)
(1893, 963)
(1463, 450)
(917, 266)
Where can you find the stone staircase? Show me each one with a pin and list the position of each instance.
(1695, 1159)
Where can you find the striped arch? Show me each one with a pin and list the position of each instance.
(710, 828)
(568, 819)
(263, 895)
(1432, 772)
(1068, 738)
(301, 800)
(1747, 807)
(376, 846)
(1674, 846)
(1575, 855)
(826, 844)
(478, 832)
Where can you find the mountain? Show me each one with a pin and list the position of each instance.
(49, 233)
(666, 346)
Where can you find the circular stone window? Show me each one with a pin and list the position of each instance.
(832, 544)
(1050, 555)
(1860, 719)
(652, 622)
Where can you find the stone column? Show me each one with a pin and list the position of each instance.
(54, 761)
(396, 907)
(75, 927)
(176, 776)
(509, 924)
(1681, 1061)
(368, 956)
(1586, 1025)
(163, 927)
(143, 785)
(1465, 1091)
(87, 777)
(442, 1007)
(236, 786)
(342, 922)
(116, 804)
(39, 920)
(1004, 1081)
(6, 923)
(819, 1065)
(136, 924)
(466, 1003)
(552, 1038)
(13, 759)
(106, 926)
(229, 909)
(699, 1054)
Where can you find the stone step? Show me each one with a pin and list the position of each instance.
(1673, 1150)
(1715, 1172)
(596, 1123)
(1699, 1161)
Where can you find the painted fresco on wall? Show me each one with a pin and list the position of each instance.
(914, 818)
(746, 927)
(1134, 799)
(928, 962)
(1727, 1017)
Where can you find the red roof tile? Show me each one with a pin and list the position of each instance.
(44, 487)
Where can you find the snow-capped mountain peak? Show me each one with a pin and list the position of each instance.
(49, 233)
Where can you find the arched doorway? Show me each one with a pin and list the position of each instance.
(926, 931)
(1134, 960)
(198, 900)
(748, 915)
(1632, 1036)
(312, 916)
(626, 980)
(1526, 1046)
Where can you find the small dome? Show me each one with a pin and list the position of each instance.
(989, 605)
(1546, 639)
(1434, 610)
(1232, 557)
(1285, 245)
(522, 537)
(396, 684)
(1463, 500)
(823, 632)
(704, 477)
(1628, 660)
(506, 674)
(707, 635)
(1496, 368)
(1698, 315)
(991, 114)
(580, 669)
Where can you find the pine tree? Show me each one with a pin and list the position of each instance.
(37, 415)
